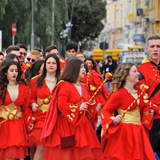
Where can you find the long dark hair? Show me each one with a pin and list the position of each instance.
(35, 69)
(3, 77)
(12, 56)
(95, 65)
(71, 71)
(42, 77)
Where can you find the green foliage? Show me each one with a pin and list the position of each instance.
(2, 7)
(86, 20)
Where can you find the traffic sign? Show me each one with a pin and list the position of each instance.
(14, 29)
(103, 46)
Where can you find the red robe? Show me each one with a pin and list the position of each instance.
(95, 80)
(152, 80)
(41, 93)
(128, 139)
(13, 133)
(64, 119)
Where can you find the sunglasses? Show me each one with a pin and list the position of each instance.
(30, 59)
(21, 53)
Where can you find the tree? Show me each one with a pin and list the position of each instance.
(86, 19)
(2, 7)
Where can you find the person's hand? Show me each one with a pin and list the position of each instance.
(84, 106)
(151, 111)
(34, 107)
(117, 119)
(98, 107)
(30, 127)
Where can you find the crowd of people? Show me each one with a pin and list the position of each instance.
(54, 108)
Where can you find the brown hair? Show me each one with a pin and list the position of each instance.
(120, 75)
(49, 48)
(80, 53)
(154, 37)
(71, 71)
(22, 46)
(12, 47)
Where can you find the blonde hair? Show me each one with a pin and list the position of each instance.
(35, 52)
(120, 75)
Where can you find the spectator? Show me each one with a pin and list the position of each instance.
(109, 65)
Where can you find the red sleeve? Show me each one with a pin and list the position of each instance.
(107, 114)
(51, 116)
(69, 109)
(33, 87)
(97, 80)
(27, 113)
(146, 118)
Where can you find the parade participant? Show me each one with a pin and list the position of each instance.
(14, 112)
(41, 53)
(1, 57)
(33, 56)
(41, 93)
(109, 65)
(71, 49)
(36, 69)
(13, 57)
(82, 57)
(126, 117)
(23, 53)
(51, 50)
(94, 80)
(54, 50)
(67, 131)
(150, 75)
(14, 49)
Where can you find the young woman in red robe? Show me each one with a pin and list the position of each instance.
(41, 93)
(126, 117)
(67, 132)
(14, 112)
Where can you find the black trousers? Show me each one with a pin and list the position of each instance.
(155, 136)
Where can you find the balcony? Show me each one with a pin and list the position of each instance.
(118, 25)
(146, 12)
(133, 18)
(126, 22)
(154, 15)
(112, 27)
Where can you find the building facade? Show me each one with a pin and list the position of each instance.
(130, 22)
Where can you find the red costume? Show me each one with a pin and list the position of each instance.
(150, 75)
(94, 80)
(128, 139)
(13, 133)
(62, 64)
(24, 68)
(65, 122)
(41, 96)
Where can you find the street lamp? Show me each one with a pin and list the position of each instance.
(32, 34)
(52, 30)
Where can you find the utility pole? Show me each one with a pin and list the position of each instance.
(52, 30)
(70, 27)
(32, 34)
